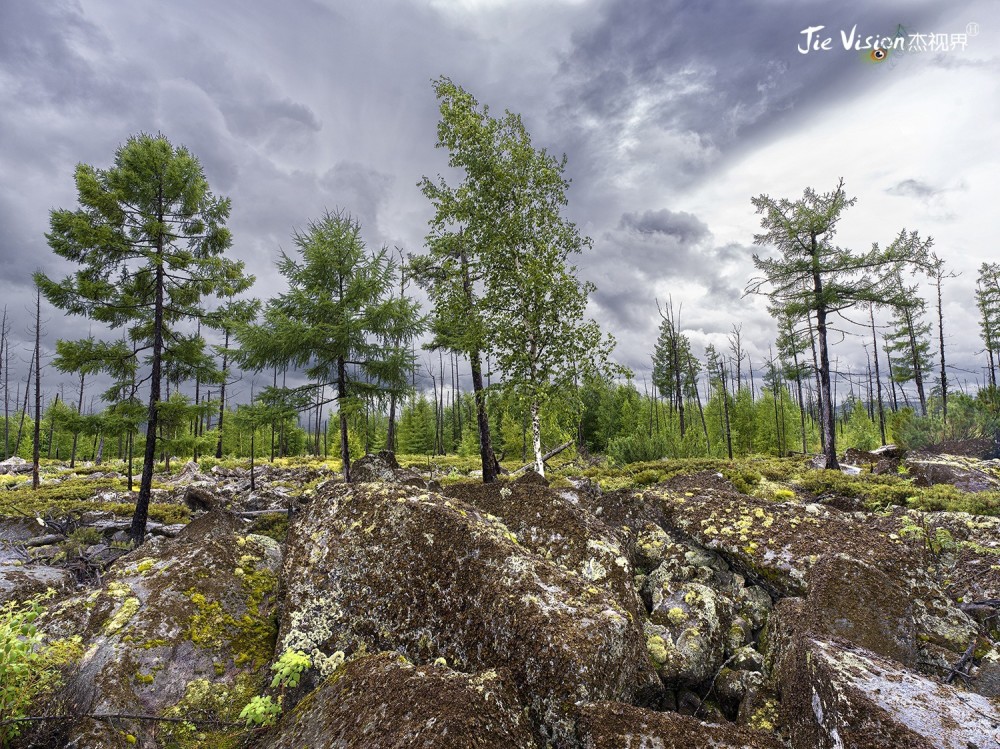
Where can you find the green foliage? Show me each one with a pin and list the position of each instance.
(289, 668)
(812, 277)
(262, 710)
(149, 240)
(338, 320)
(638, 447)
(28, 670)
(860, 431)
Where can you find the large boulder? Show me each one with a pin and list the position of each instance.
(385, 702)
(181, 627)
(967, 474)
(854, 601)
(556, 524)
(384, 567)
(383, 466)
(835, 696)
(610, 725)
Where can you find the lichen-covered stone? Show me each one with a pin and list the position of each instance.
(965, 473)
(385, 702)
(18, 581)
(557, 525)
(182, 627)
(775, 544)
(854, 601)
(609, 725)
(379, 567)
(383, 466)
(834, 696)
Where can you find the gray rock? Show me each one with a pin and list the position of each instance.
(385, 702)
(835, 697)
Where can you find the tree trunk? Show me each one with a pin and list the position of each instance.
(491, 468)
(37, 441)
(826, 401)
(222, 396)
(536, 437)
(878, 376)
(137, 531)
(76, 434)
(725, 410)
(345, 447)
(918, 375)
(944, 374)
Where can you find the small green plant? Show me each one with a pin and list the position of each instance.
(28, 671)
(262, 710)
(288, 670)
(934, 540)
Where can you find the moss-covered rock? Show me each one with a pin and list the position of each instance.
(379, 567)
(182, 628)
(557, 525)
(609, 725)
(385, 702)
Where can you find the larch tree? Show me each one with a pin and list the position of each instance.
(908, 341)
(339, 320)
(149, 240)
(812, 277)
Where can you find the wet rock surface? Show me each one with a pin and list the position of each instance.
(523, 614)
(385, 702)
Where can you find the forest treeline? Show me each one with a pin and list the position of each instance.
(152, 264)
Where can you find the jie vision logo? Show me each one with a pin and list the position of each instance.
(877, 47)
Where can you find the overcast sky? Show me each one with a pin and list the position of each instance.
(671, 114)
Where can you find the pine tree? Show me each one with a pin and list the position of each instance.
(338, 320)
(812, 277)
(988, 303)
(150, 239)
(908, 344)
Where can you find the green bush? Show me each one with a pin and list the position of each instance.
(638, 447)
(28, 670)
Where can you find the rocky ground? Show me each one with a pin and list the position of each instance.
(686, 612)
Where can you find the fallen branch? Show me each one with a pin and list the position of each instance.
(111, 717)
(959, 668)
(549, 454)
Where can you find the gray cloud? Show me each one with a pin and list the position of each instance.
(685, 228)
(312, 105)
(913, 188)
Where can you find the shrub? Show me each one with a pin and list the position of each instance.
(28, 670)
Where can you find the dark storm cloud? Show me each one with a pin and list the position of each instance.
(686, 84)
(684, 227)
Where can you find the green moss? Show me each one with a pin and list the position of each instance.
(214, 701)
(125, 612)
(251, 636)
(273, 525)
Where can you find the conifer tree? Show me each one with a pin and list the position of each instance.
(338, 321)
(812, 277)
(149, 238)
